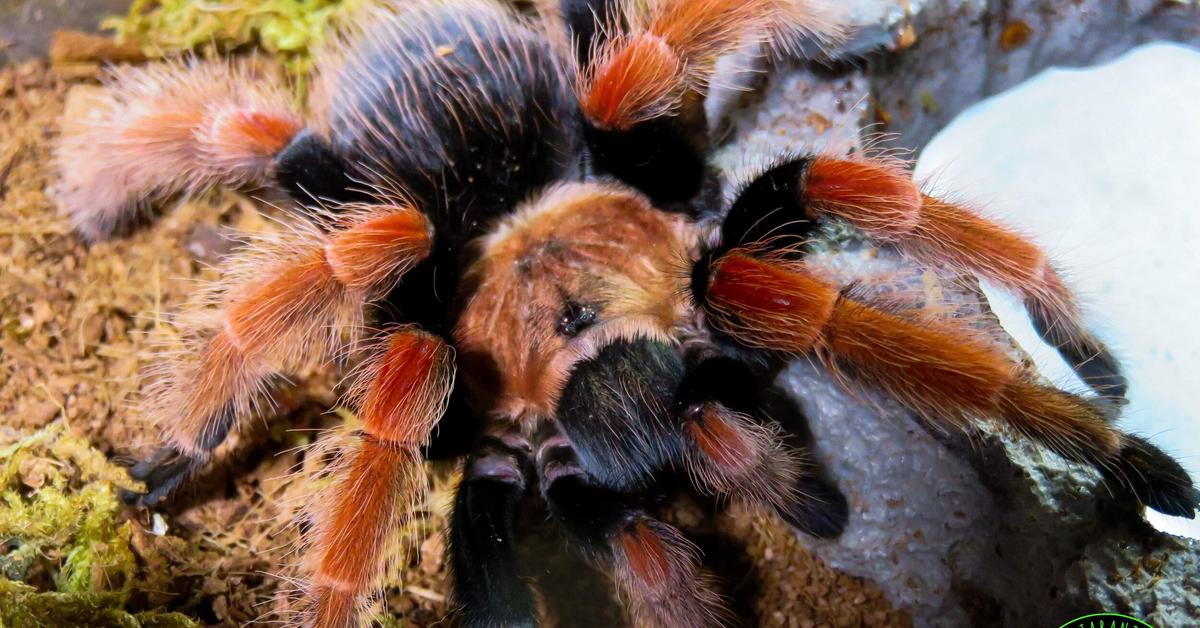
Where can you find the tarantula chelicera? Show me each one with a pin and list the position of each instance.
(533, 201)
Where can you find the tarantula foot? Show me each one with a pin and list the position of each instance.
(819, 510)
(1154, 478)
(162, 473)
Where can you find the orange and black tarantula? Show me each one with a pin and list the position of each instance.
(534, 203)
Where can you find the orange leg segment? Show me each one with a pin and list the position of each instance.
(166, 130)
(731, 454)
(671, 47)
(294, 304)
(401, 395)
(658, 571)
(945, 372)
(879, 198)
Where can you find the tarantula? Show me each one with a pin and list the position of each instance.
(533, 201)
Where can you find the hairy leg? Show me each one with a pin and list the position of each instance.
(880, 198)
(944, 370)
(170, 129)
(644, 73)
(656, 569)
(289, 300)
(730, 450)
(379, 478)
(488, 587)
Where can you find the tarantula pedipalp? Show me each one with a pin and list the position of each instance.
(557, 235)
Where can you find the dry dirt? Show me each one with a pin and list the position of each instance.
(76, 327)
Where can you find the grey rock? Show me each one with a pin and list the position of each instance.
(27, 26)
(958, 58)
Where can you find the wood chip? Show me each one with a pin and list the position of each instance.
(80, 47)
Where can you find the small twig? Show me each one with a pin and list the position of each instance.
(7, 168)
(54, 400)
(427, 594)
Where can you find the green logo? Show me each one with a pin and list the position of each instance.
(1106, 620)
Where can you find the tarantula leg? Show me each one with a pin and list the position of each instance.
(293, 304)
(400, 395)
(937, 368)
(1153, 477)
(645, 71)
(642, 59)
(163, 472)
(729, 453)
(656, 569)
(729, 450)
(880, 198)
(165, 130)
(488, 587)
(943, 370)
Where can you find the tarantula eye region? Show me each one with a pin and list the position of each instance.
(575, 318)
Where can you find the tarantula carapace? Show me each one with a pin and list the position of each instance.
(533, 201)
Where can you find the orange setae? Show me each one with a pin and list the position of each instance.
(767, 305)
(404, 390)
(875, 196)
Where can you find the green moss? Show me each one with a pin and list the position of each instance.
(60, 523)
(22, 606)
(290, 30)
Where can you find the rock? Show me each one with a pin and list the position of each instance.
(967, 50)
(961, 529)
(1155, 583)
(27, 28)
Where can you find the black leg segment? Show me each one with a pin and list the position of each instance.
(654, 566)
(488, 586)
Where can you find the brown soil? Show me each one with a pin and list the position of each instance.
(77, 325)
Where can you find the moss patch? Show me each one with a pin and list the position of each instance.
(68, 558)
(23, 606)
(288, 29)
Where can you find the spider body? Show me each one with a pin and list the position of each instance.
(555, 240)
(466, 112)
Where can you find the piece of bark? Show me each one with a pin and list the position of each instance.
(70, 47)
